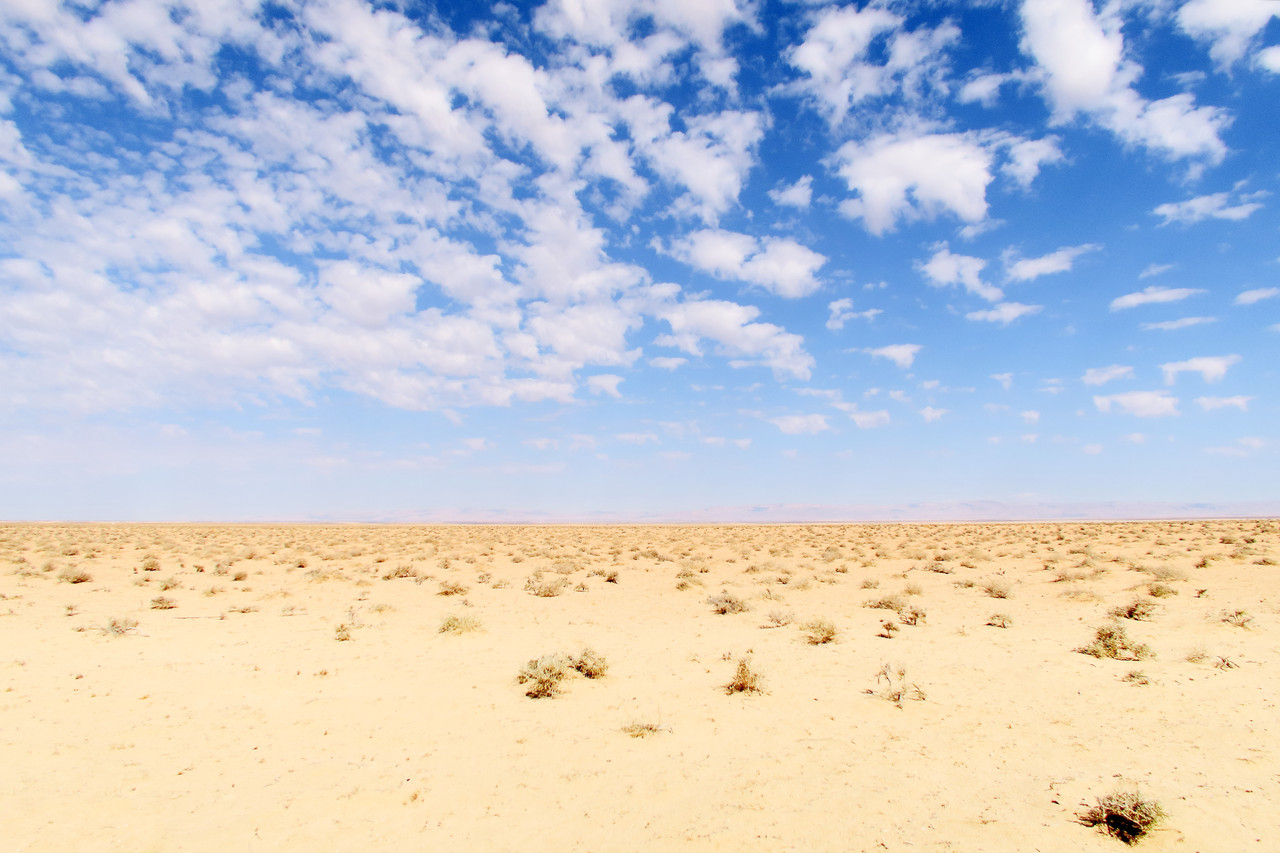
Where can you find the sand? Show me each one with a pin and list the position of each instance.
(238, 717)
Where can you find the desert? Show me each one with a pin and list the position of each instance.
(976, 687)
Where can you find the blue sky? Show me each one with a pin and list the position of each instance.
(638, 259)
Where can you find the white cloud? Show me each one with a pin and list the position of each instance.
(841, 312)
(1155, 269)
(1005, 313)
(1136, 438)
(733, 328)
(1209, 404)
(780, 265)
(1029, 269)
(946, 268)
(1082, 68)
(1200, 208)
(1230, 25)
(799, 194)
(1005, 380)
(638, 438)
(1142, 404)
(1152, 295)
(1268, 59)
(1174, 325)
(903, 355)
(664, 362)
(1249, 297)
(1103, 375)
(800, 424)
(605, 383)
(870, 420)
(930, 414)
(909, 176)
(1091, 449)
(1027, 156)
(1210, 368)
(541, 443)
(1031, 417)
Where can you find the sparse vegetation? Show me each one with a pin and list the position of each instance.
(999, 620)
(819, 632)
(74, 575)
(642, 729)
(897, 689)
(1139, 609)
(1127, 815)
(997, 588)
(1238, 618)
(725, 603)
(459, 624)
(543, 675)
(745, 679)
(451, 588)
(1111, 641)
(161, 602)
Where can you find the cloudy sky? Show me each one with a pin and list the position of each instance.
(648, 259)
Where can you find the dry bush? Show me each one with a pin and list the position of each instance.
(913, 589)
(1111, 641)
(162, 603)
(777, 619)
(458, 624)
(120, 627)
(589, 663)
(1139, 609)
(889, 602)
(870, 583)
(727, 603)
(819, 632)
(611, 576)
(999, 620)
(745, 679)
(1164, 573)
(451, 588)
(1239, 618)
(1197, 656)
(897, 689)
(1160, 590)
(1125, 815)
(544, 588)
(1136, 676)
(239, 576)
(640, 729)
(342, 633)
(544, 675)
(402, 571)
(997, 588)
(911, 615)
(887, 629)
(74, 575)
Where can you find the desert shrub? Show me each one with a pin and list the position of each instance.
(342, 633)
(1139, 609)
(727, 603)
(911, 615)
(456, 624)
(1160, 590)
(1239, 618)
(642, 729)
(151, 564)
(169, 583)
(819, 632)
(611, 576)
(777, 619)
(887, 629)
(896, 687)
(997, 588)
(1111, 641)
(74, 575)
(163, 603)
(745, 679)
(1125, 815)
(889, 602)
(913, 589)
(999, 620)
(543, 676)
(120, 627)
(1164, 573)
(239, 576)
(544, 588)
(870, 583)
(402, 571)
(451, 588)
(1136, 676)
(589, 663)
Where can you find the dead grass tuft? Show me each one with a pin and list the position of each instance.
(745, 679)
(1125, 815)
(1111, 641)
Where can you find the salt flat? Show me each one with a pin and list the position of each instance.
(188, 687)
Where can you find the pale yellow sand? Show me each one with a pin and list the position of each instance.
(238, 721)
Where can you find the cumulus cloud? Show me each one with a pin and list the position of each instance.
(947, 268)
(841, 312)
(605, 383)
(870, 420)
(1082, 68)
(930, 414)
(1249, 297)
(735, 332)
(1152, 295)
(1142, 404)
(1004, 313)
(1103, 375)
(903, 355)
(780, 265)
(1210, 368)
(664, 362)
(1005, 380)
(1210, 404)
(909, 176)
(1200, 208)
(1029, 269)
(799, 194)
(1230, 26)
(800, 424)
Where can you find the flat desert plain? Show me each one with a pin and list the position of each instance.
(918, 687)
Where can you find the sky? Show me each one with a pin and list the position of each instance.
(639, 260)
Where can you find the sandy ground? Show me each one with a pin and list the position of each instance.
(238, 718)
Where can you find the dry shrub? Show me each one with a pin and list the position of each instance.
(120, 627)
(590, 663)
(997, 588)
(1136, 676)
(819, 632)
(73, 575)
(1239, 618)
(162, 603)
(745, 679)
(727, 603)
(456, 624)
(342, 633)
(889, 602)
(1139, 609)
(911, 615)
(1160, 590)
(1125, 815)
(642, 729)
(897, 689)
(451, 588)
(544, 675)
(777, 619)
(999, 620)
(403, 571)
(544, 588)
(1111, 641)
